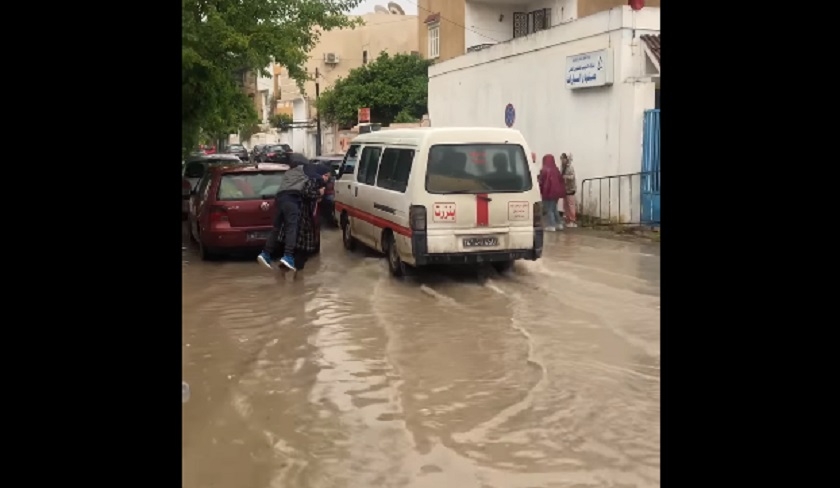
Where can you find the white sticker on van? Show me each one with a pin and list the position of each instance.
(444, 212)
(518, 211)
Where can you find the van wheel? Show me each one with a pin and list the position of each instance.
(395, 265)
(503, 266)
(346, 237)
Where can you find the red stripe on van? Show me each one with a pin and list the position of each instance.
(373, 219)
(482, 210)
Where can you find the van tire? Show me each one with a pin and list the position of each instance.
(503, 267)
(346, 237)
(396, 265)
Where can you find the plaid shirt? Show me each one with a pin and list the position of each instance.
(309, 237)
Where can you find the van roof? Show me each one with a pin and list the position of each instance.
(419, 135)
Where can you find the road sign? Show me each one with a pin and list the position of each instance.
(364, 115)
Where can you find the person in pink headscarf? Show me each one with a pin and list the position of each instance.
(552, 189)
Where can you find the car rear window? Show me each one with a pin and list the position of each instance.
(253, 185)
(477, 168)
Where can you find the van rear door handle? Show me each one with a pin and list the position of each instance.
(356, 193)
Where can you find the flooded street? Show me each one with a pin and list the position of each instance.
(346, 377)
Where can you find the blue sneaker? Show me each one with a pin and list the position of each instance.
(288, 261)
(265, 259)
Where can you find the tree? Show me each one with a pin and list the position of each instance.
(281, 121)
(389, 86)
(223, 40)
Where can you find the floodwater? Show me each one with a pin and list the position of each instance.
(346, 378)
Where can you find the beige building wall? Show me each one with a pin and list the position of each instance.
(451, 19)
(396, 34)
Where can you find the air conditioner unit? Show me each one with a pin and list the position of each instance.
(331, 58)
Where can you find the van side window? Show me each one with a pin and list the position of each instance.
(394, 169)
(348, 166)
(368, 164)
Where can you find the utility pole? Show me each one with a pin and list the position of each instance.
(318, 117)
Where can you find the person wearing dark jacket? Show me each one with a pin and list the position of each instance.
(552, 189)
(301, 176)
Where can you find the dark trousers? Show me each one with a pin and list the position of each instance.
(288, 216)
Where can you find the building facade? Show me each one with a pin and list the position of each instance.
(572, 84)
(336, 54)
(440, 28)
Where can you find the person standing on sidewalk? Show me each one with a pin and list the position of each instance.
(551, 190)
(569, 204)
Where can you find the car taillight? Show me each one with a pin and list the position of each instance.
(186, 185)
(417, 217)
(271, 155)
(218, 214)
(538, 215)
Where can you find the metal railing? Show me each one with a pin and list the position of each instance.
(619, 200)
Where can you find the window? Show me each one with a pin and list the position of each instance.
(434, 41)
(194, 170)
(528, 23)
(249, 186)
(203, 185)
(348, 166)
(656, 98)
(368, 164)
(364, 57)
(477, 168)
(394, 169)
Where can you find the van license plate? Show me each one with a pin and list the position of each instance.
(254, 236)
(481, 242)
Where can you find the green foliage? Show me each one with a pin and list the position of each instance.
(281, 121)
(405, 117)
(224, 39)
(392, 86)
(249, 130)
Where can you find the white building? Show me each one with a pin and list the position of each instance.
(578, 86)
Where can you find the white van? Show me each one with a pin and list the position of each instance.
(441, 195)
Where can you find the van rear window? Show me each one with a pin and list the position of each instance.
(477, 168)
(249, 186)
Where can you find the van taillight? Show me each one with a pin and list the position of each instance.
(417, 217)
(218, 214)
(538, 215)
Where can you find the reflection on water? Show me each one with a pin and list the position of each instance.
(343, 377)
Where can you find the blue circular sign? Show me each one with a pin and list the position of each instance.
(510, 115)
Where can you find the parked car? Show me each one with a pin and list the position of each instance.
(239, 151)
(257, 150)
(276, 153)
(194, 169)
(233, 208)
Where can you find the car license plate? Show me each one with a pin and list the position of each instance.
(258, 235)
(481, 241)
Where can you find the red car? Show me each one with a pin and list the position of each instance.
(232, 208)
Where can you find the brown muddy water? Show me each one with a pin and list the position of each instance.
(347, 378)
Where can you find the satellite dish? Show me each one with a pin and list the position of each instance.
(395, 9)
(381, 10)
